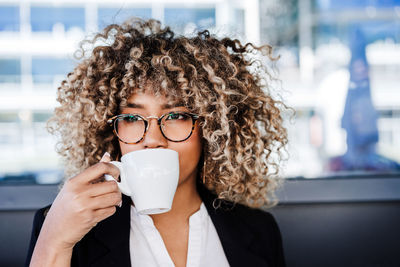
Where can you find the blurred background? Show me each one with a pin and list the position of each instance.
(339, 69)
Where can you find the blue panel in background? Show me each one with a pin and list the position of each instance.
(374, 31)
(201, 17)
(9, 18)
(44, 18)
(353, 4)
(10, 70)
(107, 16)
(44, 69)
(10, 67)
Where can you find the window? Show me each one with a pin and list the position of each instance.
(342, 67)
(9, 18)
(239, 23)
(44, 19)
(188, 19)
(353, 5)
(389, 129)
(108, 16)
(279, 23)
(10, 130)
(10, 71)
(316, 44)
(50, 70)
(43, 140)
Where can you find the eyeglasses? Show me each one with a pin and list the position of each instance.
(174, 126)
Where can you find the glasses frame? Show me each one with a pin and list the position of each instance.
(111, 121)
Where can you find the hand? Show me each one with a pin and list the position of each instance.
(80, 205)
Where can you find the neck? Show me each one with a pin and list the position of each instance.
(186, 202)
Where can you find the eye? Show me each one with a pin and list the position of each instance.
(176, 116)
(132, 118)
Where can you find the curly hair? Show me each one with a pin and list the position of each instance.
(219, 79)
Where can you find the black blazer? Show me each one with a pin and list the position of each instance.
(249, 237)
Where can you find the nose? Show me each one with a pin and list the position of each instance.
(154, 138)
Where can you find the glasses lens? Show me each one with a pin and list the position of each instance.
(130, 128)
(177, 126)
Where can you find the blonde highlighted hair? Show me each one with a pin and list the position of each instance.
(241, 123)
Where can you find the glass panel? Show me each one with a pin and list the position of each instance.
(239, 21)
(359, 116)
(343, 77)
(10, 71)
(48, 70)
(279, 23)
(44, 18)
(354, 4)
(187, 19)
(108, 16)
(9, 18)
(10, 132)
(340, 63)
(43, 139)
(41, 116)
(8, 117)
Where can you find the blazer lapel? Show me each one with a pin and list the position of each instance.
(108, 242)
(111, 239)
(238, 240)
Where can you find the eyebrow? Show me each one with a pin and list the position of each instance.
(164, 106)
(134, 105)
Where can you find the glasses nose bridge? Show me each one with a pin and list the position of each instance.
(148, 118)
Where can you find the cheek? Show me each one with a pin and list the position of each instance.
(189, 154)
(125, 148)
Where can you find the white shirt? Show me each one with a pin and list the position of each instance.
(147, 248)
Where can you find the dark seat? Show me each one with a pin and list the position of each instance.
(324, 222)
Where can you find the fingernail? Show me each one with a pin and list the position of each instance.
(120, 204)
(105, 157)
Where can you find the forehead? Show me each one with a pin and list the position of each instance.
(144, 97)
(150, 99)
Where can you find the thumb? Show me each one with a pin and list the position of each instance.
(106, 157)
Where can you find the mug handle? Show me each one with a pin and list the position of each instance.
(122, 185)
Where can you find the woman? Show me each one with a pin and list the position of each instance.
(227, 166)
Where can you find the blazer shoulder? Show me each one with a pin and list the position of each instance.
(253, 214)
(254, 217)
(39, 217)
(42, 213)
(263, 224)
(260, 222)
(38, 220)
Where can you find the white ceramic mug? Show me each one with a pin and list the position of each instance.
(150, 177)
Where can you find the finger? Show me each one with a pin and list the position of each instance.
(106, 200)
(102, 188)
(102, 214)
(105, 158)
(97, 171)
